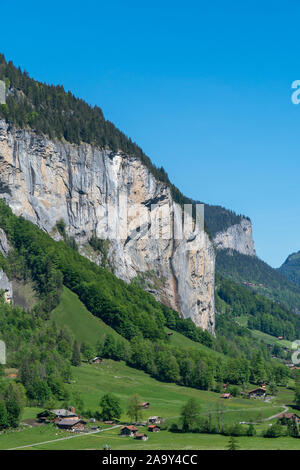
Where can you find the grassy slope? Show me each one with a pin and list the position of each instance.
(165, 400)
(85, 327)
(180, 341)
(157, 441)
(268, 339)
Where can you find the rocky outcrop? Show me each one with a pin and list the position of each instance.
(95, 192)
(4, 245)
(6, 286)
(237, 237)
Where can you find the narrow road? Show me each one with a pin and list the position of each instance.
(65, 438)
(285, 409)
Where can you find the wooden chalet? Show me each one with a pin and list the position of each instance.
(129, 430)
(259, 392)
(141, 437)
(63, 413)
(285, 417)
(144, 405)
(153, 428)
(154, 420)
(226, 395)
(97, 360)
(70, 424)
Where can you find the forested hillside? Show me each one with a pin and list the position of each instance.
(262, 313)
(291, 268)
(259, 276)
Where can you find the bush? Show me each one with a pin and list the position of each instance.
(273, 431)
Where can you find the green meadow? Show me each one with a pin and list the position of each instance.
(166, 399)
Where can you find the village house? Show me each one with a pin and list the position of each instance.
(45, 416)
(97, 360)
(129, 430)
(285, 417)
(63, 413)
(153, 428)
(144, 405)
(141, 437)
(155, 420)
(71, 424)
(259, 392)
(226, 395)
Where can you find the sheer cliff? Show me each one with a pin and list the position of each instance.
(47, 181)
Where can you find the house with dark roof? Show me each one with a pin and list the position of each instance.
(259, 392)
(70, 424)
(141, 437)
(97, 360)
(129, 430)
(63, 413)
(144, 404)
(285, 417)
(156, 420)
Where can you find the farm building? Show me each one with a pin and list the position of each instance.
(70, 424)
(259, 392)
(153, 428)
(128, 431)
(97, 360)
(285, 417)
(226, 395)
(45, 416)
(141, 436)
(155, 420)
(144, 405)
(63, 413)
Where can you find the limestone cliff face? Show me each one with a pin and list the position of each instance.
(5, 284)
(46, 181)
(237, 237)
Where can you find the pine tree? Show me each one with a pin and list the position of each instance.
(3, 416)
(76, 359)
(232, 443)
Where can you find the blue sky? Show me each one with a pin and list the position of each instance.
(203, 87)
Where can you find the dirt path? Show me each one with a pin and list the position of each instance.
(285, 409)
(64, 438)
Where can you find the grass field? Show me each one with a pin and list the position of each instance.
(268, 339)
(180, 341)
(164, 440)
(85, 327)
(166, 399)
